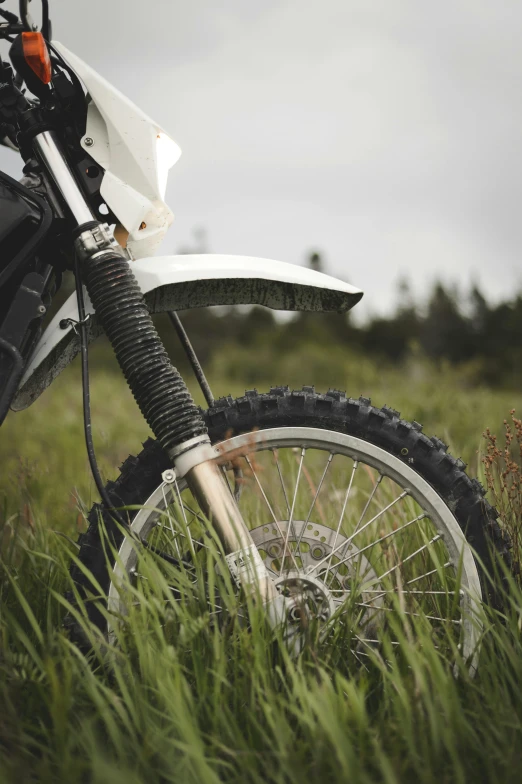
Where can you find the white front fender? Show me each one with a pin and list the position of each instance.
(182, 282)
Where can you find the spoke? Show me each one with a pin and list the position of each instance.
(372, 544)
(428, 574)
(276, 522)
(134, 572)
(352, 536)
(407, 612)
(188, 509)
(423, 593)
(391, 590)
(368, 502)
(363, 641)
(216, 608)
(198, 542)
(164, 556)
(171, 526)
(343, 510)
(330, 458)
(275, 453)
(203, 522)
(360, 653)
(180, 502)
(291, 526)
(182, 507)
(404, 560)
(180, 598)
(378, 642)
(161, 553)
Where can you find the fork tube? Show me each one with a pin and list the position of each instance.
(48, 150)
(207, 483)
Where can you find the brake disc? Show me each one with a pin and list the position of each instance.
(322, 566)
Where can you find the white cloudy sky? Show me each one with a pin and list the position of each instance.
(386, 133)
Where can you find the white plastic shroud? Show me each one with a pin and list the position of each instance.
(136, 154)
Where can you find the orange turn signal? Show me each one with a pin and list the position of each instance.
(36, 55)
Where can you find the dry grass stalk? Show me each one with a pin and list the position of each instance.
(503, 475)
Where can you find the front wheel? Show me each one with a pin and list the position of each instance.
(351, 507)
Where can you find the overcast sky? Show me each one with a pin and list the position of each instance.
(385, 133)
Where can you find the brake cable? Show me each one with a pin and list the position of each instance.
(81, 328)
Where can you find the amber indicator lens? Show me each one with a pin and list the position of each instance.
(36, 55)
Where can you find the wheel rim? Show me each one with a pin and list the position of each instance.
(348, 517)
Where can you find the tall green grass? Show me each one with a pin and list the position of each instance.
(181, 697)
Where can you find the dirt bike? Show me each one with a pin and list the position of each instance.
(318, 502)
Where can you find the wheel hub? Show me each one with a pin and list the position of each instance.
(310, 597)
(319, 569)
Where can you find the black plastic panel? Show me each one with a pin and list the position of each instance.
(24, 221)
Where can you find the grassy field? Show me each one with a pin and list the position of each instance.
(42, 451)
(182, 700)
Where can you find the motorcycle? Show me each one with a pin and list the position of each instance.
(318, 502)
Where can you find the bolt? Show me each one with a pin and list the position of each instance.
(169, 476)
(88, 141)
(42, 309)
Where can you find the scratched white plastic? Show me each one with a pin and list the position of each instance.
(136, 154)
(160, 271)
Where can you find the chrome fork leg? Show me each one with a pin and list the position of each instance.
(207, 483)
